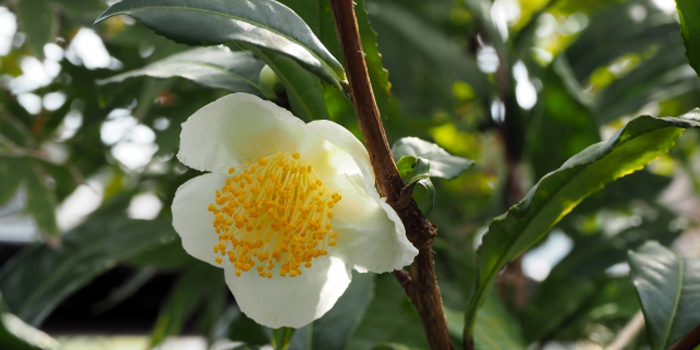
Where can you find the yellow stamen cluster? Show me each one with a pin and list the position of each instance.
(275, 211)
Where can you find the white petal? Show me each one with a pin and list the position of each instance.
(290, 302)
(192, 220)
(371, 235)
(238, 128)
(346, 141)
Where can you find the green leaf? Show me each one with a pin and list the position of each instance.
(442, 164)
(393, 346)
(281, 338)
(378, 75)
(390, 318)
(188, 293)
(215, 66)
(41, 201)
(413, 169)
(641, 141)
(40, 277)
(612, 33)
(689, 12)
(424, 195)
(415, 173)
(668, 286)
(434, 46)
(405, 166)
(332, 331)
(264, 23)
(564, 116)
(10, 177)
(36, 17)
(82, 5)
(658, 78)
(17, 335)
(496, 328)
(304, 90)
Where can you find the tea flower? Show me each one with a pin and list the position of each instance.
(287, 209)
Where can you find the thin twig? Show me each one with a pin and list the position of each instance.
(627, 334)
(421, 286)
(689, 341)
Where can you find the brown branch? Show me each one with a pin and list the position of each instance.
(689, 341)
(421, 286)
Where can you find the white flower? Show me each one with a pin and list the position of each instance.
(287, 210)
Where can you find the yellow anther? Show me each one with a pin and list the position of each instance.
(231, 170)
(275, 210)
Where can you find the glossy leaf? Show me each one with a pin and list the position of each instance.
(689, 12)
(442, 164)
(641, 141)
(36, 17)
(264, 23)
(40, 277)
(668, 286)
(214, 66)
(17, 335)
(304, 91)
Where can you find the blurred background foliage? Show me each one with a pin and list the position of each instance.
(87, 167)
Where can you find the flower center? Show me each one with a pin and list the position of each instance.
(275, 211)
